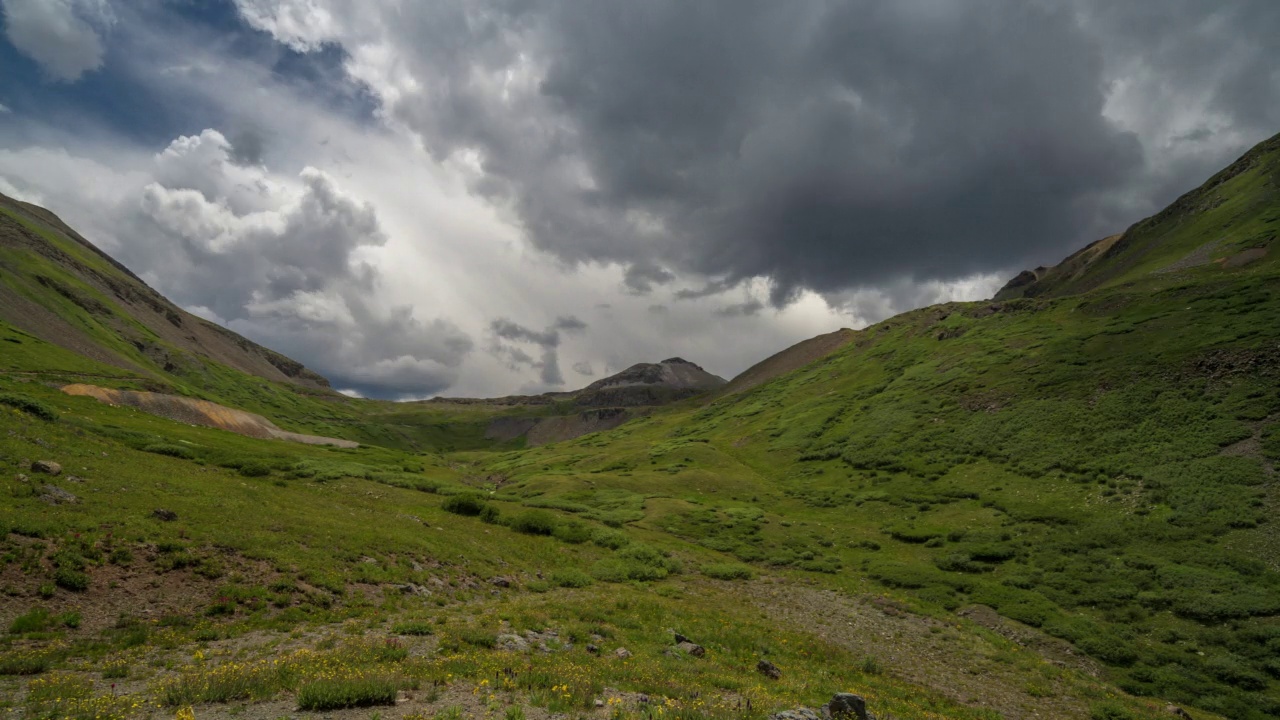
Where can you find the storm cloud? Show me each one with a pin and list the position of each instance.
(508, 336)
(823, 145)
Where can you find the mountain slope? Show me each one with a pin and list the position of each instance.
(1232, 219)
(59, 287)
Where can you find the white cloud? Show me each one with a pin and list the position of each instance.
(63, 36)
(4, 109)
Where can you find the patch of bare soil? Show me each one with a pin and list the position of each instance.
(137, 591)
(200, 412)
(929, 652)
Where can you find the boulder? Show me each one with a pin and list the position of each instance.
(768, 669)
(848, 706)
(622, 653)
(512, 642)
(682, 639)
(501, 582)
(693, 649)
(48, 467)
(593, 648)
(801, 713)
(164, 515)
(57, 496)
(1177, 712)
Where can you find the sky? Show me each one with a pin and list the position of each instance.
(486, 197)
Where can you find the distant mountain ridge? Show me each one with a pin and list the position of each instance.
(642, 384)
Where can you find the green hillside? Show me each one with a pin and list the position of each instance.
(1060, 503)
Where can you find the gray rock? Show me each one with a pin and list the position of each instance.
(622, 653)
(48, 467)
(512, 642)
(55, 495)
(768, 669)
(593, 648)
(693, 649)
(23, 478)
(847, 705)
(164, 515)
(796, 714)
(415, 589)
(501, 582)
(1178, 712)
(682, 639)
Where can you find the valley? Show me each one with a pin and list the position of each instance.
(1058, 503)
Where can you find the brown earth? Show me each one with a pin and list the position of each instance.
(200, 412)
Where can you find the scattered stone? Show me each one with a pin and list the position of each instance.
(800, 713)
(55, 495)
(415, 589)
(164, 515)
(512, 642)
(622, 653)
(75, 479)
(847, 705)
(1177, 712)
(48, 467)
(501, 582)
(593, 648)
(693, 649)
(768, 669)
(682, 639)
(23, 478)
(599, 703)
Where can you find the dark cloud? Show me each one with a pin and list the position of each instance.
(548, 340)
(247, 148)
(832, 145)
(743, 309)
(640, 277)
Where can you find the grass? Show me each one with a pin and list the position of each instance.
(336, 694)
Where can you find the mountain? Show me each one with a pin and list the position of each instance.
(1060, 502)
(59, 287)
(602, 405)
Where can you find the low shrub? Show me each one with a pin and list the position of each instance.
(572, 532)
(413, 627)
(255, 469)
(69, 579)
(571, 578)
(534, 522)
(29, 405)
(335, 694)
(728, 571)
(35, 620)
(468, 504)
(610, 539)
(177, 451)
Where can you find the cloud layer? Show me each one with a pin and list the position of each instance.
(825, 146)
